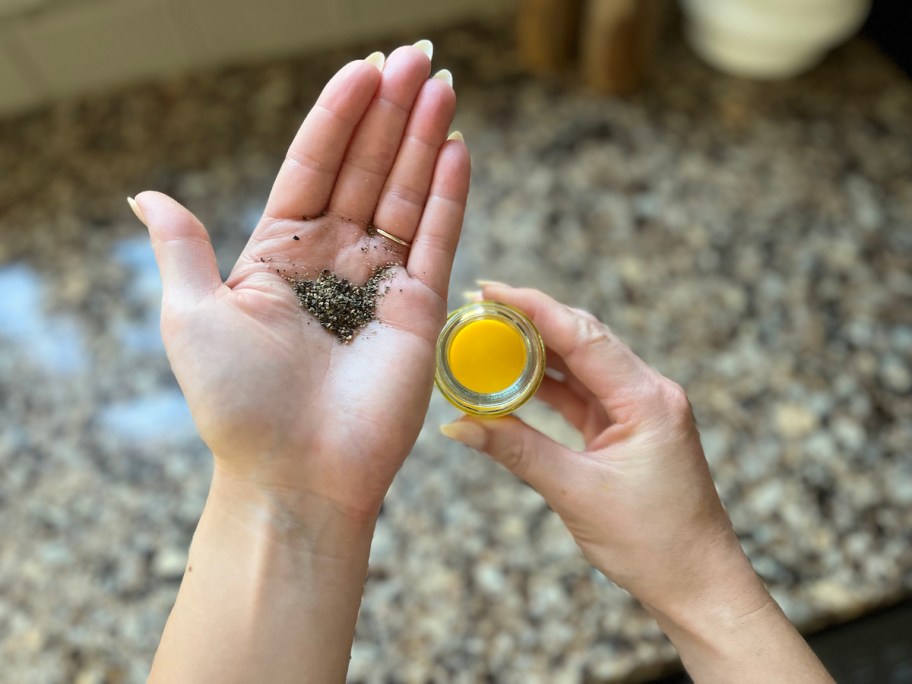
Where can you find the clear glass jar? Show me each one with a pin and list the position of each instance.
(490, 359)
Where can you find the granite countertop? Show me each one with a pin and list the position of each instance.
(750, 240)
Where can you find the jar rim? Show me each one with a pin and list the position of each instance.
(523, 388)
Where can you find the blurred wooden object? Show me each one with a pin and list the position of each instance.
(618, 42)
(612, 41)
(547, 34)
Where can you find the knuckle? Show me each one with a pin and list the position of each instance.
(308, 161)
(513, 454)
(674, 398)
(405, 194)
(591, 335)
(513, 457)
(587, 315)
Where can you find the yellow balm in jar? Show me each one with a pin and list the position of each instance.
(490, 359)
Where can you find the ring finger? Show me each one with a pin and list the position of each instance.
(405, 192)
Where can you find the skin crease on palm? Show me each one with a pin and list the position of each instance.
(278, 375)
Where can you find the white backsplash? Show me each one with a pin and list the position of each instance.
(57, 48)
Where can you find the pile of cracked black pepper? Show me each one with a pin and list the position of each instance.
(339, 305)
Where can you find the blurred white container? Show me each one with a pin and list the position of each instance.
(770, 38)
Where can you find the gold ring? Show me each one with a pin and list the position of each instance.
(388, 236)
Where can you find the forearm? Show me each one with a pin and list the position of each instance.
(271, 591)
(761, 647)
(733, 631)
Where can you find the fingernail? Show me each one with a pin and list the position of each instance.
(378, 59)
(426, 46)
(470, 434)
(485, 283)
(555, 374)
(472, 295)
(446, 76)
(136, 210)
(456, 135)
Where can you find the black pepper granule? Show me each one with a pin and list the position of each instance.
(339, 305)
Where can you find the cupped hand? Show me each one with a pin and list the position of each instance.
(639, 499)
(279, 400)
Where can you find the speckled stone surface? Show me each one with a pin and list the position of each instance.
(753, 241)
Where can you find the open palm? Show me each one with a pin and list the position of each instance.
(279, 400)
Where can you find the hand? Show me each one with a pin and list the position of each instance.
(280, 401)
(640, 501)
(307, 432)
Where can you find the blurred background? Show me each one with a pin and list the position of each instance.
(728, 184)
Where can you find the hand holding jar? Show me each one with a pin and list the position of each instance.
(640, 500)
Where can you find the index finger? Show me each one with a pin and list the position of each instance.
(308, 175)
(597, 357)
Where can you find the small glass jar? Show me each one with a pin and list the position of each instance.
(490, 359)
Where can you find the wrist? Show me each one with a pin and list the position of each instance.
(717, 589)
(297, 521)
(275, 575)
(720, 610)
(733, 630)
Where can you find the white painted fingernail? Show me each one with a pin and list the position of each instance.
(456, 135)
(426, 46)
(136, 210)
(378, 59)
(485, 283)
(470, 434)
(446, 76)
(472, 295)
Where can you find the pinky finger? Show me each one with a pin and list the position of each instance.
(434, 246)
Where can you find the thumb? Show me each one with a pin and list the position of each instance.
(186, 261)
(521, 449)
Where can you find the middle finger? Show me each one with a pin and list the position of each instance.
(376, 142)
